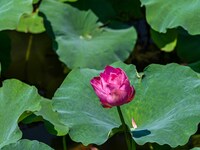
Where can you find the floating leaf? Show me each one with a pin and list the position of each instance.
(48, 114)
(16, 97)
(167, 98)
(88, 121)
(162, 15)
(11, 11)
(79, 37)
(31, 23)
(27, 145)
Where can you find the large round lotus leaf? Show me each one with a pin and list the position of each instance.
(165, 108)
(80, 39)
(162, 14)
(27, 145)
(11, 11)
(15, 98)
(51, 116)
(80, 110)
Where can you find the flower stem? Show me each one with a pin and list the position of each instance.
(27, 57)
(129, 143)
(28, 50)
(64, 143)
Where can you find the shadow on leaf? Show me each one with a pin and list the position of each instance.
(140, 133)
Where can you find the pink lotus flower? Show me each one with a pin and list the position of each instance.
(113, 87)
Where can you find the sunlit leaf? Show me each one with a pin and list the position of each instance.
(31, 23)
(165, 41)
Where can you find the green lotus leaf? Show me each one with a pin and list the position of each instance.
(48, 114)
(83, 113)
(79, 37)
(35, 1)
(170, 96)
(195, 148)
(11, 11)
(163, 15)
(165, 41)
(15, 97)
(31, 23)
(27, 145)
(167, 98)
